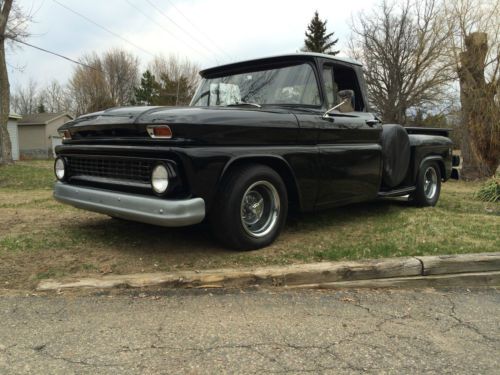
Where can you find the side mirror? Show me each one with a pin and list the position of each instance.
(346, 94)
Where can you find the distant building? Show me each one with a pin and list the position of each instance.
(38, 134)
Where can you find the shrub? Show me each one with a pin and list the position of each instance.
(489, 191)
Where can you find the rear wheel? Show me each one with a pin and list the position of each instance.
(250, 208)
(428, 185)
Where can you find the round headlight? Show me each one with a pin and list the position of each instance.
(60, 168)
(159, 179)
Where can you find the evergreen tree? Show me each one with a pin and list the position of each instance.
(317, 39)
(147, 92)
(40, 108)
(174, 91)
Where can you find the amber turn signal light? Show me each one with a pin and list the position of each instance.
(65, 135)
(159, 131)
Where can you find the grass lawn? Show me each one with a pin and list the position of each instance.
(40, 238)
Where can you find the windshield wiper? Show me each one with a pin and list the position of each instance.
(293, 107)
(244, 103)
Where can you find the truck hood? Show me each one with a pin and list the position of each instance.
(190, 125)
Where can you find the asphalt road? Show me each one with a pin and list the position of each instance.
(213, 332)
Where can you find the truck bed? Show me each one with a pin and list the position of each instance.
(444, 132)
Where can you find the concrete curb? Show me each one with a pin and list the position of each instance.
(483, 269)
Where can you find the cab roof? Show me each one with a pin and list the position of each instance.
(276, 59)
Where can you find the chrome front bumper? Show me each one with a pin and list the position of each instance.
(150, 210)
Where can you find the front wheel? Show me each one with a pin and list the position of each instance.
(428, 185)
(250, 209)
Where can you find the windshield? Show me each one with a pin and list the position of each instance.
(280, 86)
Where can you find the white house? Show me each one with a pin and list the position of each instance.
(14, 134)
(38, 134)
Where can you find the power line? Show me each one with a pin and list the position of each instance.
(62, 56)
(104, 28)
(180, 27)
(55, 54)
(163, 28)
(197, 28)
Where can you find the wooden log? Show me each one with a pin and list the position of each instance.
(461, 280)
(370, 273)
(266, 276)
(462, 263)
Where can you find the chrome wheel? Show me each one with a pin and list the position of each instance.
(430, 183)
(260, 209)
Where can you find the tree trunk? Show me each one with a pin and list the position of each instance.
(481, 116)
(5, 146)
(471, 166)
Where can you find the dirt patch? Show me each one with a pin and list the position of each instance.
(31, 219)
(13, 198)
(83, 245)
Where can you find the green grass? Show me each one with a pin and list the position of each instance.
(371, 230)
(49, 202)
(51, 273)
(458, 224)
(55, 272)
(42, 240)
(47, 239)
(27, 175)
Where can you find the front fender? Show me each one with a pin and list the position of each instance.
(276, 162)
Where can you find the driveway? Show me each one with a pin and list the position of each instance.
(206, 332)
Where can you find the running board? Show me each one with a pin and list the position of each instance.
(397, 193)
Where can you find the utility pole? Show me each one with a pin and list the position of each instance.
(177, 96)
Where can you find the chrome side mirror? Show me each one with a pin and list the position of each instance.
(346, 96)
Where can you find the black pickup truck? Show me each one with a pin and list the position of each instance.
(259, 138)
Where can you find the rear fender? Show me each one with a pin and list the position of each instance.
(435, 158)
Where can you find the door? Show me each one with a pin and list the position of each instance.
(349, 143)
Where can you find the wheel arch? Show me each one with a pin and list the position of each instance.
(278, 164)
(434, 158)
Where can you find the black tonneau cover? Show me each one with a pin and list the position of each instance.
(444, 132)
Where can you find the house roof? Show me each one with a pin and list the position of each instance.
(15, 116)
(42, 118)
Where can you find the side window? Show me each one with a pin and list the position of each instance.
(330, 85)
(346, 79)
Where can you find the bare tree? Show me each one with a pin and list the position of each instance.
(56, 98)
(53, 98)
(174, 67)
(110, 82)
(400, 45)
(13, 25)
(121, 70)
(475, 53)
(5, 145)
(178, 79)
(88, 86)
(24, 99)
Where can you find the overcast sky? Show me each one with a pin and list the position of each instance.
(208, 32)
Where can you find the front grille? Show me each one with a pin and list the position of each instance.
(136, 170)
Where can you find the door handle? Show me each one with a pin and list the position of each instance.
(372, 122)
